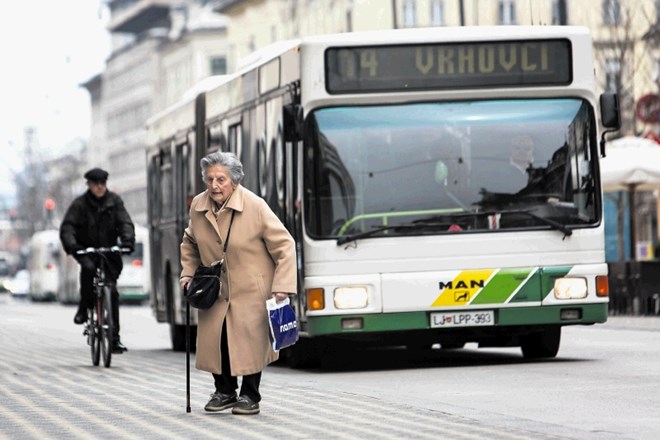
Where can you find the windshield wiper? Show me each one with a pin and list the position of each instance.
(554, 224)
(432, 222)
(348, 238)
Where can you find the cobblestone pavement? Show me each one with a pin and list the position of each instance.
(50, 390)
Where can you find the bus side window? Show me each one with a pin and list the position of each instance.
(166, 183)
(234, 141)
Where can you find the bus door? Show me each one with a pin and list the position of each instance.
(183, 176)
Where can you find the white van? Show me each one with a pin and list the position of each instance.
(43, 264)
(5, 271)
(134, 283)
(69, 289)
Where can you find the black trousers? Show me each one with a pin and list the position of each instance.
(87, 299)
(225, 383)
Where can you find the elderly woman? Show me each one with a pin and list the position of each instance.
(260, 262)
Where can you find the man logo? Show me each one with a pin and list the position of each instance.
(461, 284)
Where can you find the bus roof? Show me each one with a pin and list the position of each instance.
(180, 115)
(446, 33)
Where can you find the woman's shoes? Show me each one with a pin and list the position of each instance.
(241, 405)
(245, 406)
(220, 402)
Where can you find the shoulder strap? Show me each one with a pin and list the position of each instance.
(224, 250)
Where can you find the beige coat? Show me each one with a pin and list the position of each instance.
(261, 259)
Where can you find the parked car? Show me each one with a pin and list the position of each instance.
(19, 285)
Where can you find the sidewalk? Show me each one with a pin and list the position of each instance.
(651, 323)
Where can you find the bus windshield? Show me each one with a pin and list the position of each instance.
(447, 167)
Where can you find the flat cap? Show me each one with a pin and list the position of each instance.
(96, 175)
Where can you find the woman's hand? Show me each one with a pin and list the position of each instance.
(184, 282)
(280, 296)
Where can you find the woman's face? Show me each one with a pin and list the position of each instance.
(219, 184)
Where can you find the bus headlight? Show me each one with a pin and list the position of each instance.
(570, 288)
(355, 297)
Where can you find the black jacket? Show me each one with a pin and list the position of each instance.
(92, 222)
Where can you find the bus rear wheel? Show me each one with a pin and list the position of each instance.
(178, 337)
(541, 344)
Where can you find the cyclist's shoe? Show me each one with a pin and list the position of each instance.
(220, 402)
(245, 406)
(81, 316)
(118, 347)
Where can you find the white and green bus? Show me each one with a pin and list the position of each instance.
(442, 184)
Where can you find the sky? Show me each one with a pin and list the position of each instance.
(48, 49)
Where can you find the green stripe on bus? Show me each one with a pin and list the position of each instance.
(530, 291)
(501, 286)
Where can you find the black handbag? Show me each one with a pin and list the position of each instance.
(205, 286)
(203, 290)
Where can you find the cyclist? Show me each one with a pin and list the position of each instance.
(97, 218)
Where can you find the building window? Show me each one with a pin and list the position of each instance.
(438, 12)
(612, 75)
(349, 20)
(611, 12)
(559, 12)
(506, 10)
(409, 13)
(218, 65)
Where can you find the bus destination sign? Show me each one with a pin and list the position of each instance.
(448, 66)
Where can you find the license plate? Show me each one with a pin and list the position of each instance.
(476, 318)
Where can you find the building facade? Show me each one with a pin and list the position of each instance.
(160, 49)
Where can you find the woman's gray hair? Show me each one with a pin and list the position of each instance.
(225, 159)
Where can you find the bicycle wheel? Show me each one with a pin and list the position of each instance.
(107, 327)
(93, 338)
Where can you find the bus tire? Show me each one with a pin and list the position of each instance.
(301, 355)
(178, 337)
(541, 344)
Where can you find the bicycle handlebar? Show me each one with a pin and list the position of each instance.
(104, 250)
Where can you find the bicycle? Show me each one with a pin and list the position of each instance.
(99, 327)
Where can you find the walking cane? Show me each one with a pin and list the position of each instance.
(187, 354)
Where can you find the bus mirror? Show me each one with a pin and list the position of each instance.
(609, 111)
(610, 116)
(293, 119)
